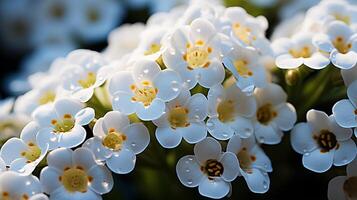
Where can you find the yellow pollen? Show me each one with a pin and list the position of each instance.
(114, 140)
(197, 56)
(64, 125)
(226, 111)
(344, 18)
(242, 68)
(145, 94)
(178, 117)
(213, 168)
(245, 160)
(304, 52)
(47, 97)
(243, 33)
(266, 113)
(88, 81)
(341, 45)
(154, 48)
(33, 153)
(75, 180)
(326, 140)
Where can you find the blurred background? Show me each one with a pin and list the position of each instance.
(34, 32)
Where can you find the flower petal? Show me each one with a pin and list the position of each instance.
(137, 137)
(122, 102)
(116, 120)
(73, 138)
(286, 116)
(83, 157)
(343, 61)
(257, 181)
(100, 152)
(188, 171)
(345, 153)
(60, 158)
(168, 83)
(335, 188)
(230, 165)
(267, 134)
(215, 189)
(242, 126)
(301, 138)
(122, 162)
(317, 61)
(343, 112)
(102, 179)
(219, 130)
(167, 137)
(211, 75)
(194, 133)
(197, 105)
(151, 112)
(206, 149)
(85, 116)
(286, 61)
(318, 161)
(49, 178)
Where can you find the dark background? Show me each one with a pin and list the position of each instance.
(289, 179)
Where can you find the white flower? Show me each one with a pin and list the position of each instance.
(340, 42)
(273, 115)
(116, 141)
(229, 110)
(95, 18)
(298, 50)
(345, 111)
(151, 43)
(344, 187)
(16, 186)
(253, 163)
(11, 123)
(45, 93)
(25, 153)
(288, 26)
(184, 118)
(246, 30)
(322, 142)
(75, 175)
(247, 68)
(210, 169)
(349, 75)
(39, 196)
(330, 10)
(194, 52)
(123, 40)
(83, 73)
(62, 123)
(144, 90)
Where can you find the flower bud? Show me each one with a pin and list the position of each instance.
(292, 77)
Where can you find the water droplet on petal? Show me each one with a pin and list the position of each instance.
(189, 182)
(187, 170)
(210, 125)
(133, 144)
(175, 86)
(265, 185)
(261, 139)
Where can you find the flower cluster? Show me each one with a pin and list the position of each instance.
(204, 73)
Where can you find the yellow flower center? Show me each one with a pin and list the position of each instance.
(245, 160)
(350, 187)
(64, 125)
(304, 52)
(266, 113)
(152, 49)
(75, 180)
(33, 152)
(88, 81)
(242, 68)
(226, 111)
(145, 94)
(213, 168)
(47, 97)
(197, 55)
(114, 140)
(343, 18)
(341, 45)
(326, 140)
(243, 33)
(178, 117)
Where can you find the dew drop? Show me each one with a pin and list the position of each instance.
(187, 170)
(175, 86)
(265, 185)
(133, 144)
(189, 182)
(261, 139)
